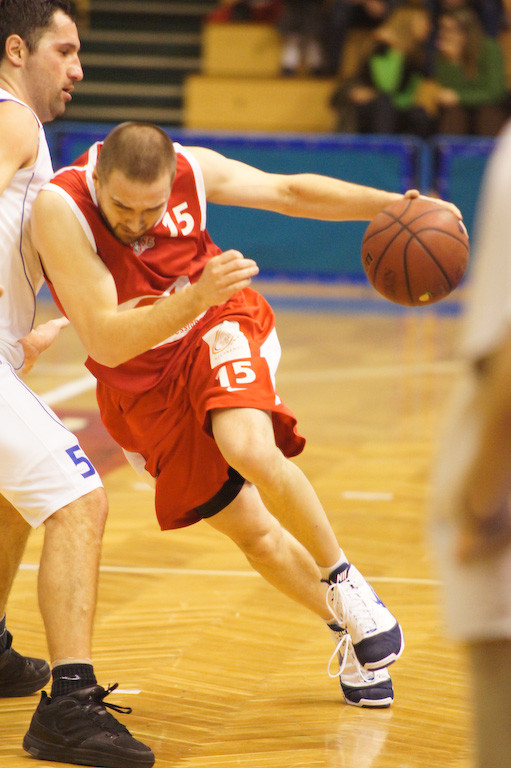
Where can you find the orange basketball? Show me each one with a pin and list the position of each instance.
(415, 252)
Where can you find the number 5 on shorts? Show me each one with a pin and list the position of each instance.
(76, 459)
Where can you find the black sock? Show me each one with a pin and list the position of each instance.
(71, 677)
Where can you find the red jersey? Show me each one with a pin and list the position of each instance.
(158, 405)
(165, 259)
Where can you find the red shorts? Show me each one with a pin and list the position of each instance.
(229, 365)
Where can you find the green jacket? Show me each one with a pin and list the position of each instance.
(390, 72)
(488, 86)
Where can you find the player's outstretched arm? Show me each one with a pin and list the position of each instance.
(307, 195)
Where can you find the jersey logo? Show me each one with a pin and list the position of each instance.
(221, 341)
(226, 342)
(139, 246)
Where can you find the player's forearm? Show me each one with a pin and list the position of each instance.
(112, 337)
(321, 197)
(112, 340)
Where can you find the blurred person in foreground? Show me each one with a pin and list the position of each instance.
(472, 475)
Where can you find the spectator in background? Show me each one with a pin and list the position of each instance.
(344, 15)
(381, 98)
(491, 13)
(470, 75)
(302, 26)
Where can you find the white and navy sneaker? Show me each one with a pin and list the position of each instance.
(360, 687)
(377, 637)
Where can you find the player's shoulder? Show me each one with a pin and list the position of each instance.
(18, 126)
(14, 107)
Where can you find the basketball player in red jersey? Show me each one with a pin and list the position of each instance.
(192, 399)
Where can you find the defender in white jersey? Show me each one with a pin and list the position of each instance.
(44, 475)
(472, 479)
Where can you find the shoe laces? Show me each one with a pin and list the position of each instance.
(346, 610)
(344, 653)
(107, 704)
(340, 654)
(97, 706)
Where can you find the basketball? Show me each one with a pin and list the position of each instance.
(415, 252)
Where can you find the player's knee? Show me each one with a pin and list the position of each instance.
(263, 545)
(87, 513)
(258, 465)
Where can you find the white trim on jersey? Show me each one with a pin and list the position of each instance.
(76, 210)
(199, 181)
(89, 170)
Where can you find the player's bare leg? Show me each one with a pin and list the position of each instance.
(73, 725)
(14, 532)
(286, 564)
(19, 675)
(271, 550)
(246, 439)
(68, 575)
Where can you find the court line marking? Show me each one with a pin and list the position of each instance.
(153, 571)
(367, 495)
(69, 390)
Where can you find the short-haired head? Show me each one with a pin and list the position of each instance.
(141, 151)
(30, 19)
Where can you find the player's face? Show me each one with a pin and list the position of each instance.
(130, 208)
(53, 68)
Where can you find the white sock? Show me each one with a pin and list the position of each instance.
(326, 570)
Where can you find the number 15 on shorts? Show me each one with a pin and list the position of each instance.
(234, 375)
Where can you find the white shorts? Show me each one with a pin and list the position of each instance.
(476, 596)
(42, 467)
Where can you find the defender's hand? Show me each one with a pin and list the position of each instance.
(40, 339)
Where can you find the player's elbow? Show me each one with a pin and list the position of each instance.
(104, 350)
(107, 357)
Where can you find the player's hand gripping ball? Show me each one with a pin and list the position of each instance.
(415, 252)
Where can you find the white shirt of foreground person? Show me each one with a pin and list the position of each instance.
(477, 591)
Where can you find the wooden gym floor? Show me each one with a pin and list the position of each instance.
(220, 669)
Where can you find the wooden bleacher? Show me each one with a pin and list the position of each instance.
(240, 88)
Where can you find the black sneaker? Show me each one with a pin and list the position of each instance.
(76, 728)
(21, 675)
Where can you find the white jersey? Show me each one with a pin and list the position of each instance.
(20, 268)
(42, 466)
